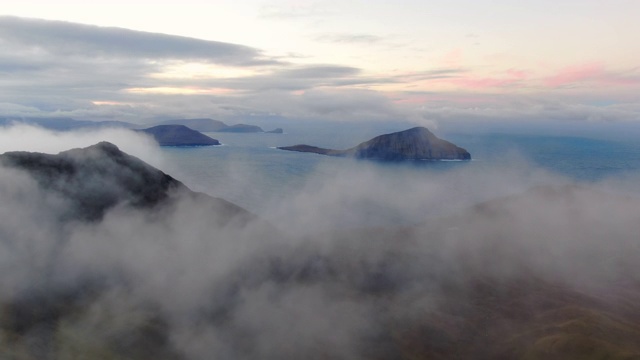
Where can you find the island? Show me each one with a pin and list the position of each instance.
(178, 135)
(211, 125)
(417, 143)
(242, 128)
(63, 123)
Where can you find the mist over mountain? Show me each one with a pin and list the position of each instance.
(125, 261)
(121, 244)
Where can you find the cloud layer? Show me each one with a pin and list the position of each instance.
(55, 68)
(175, 283)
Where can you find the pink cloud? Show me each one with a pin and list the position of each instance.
(453, 58)
(517, 74)
(594, 73)
(576, 74)
(509, 78)
(408, 98)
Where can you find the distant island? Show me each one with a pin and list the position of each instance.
(67, 124)
(178, 135)
(211, 125)
(63, 123)
(413, 144)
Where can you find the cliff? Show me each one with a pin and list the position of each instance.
(413, 144)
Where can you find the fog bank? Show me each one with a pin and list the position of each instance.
(360, 265)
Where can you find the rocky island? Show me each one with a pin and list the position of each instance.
(413, 144)
(179, 135)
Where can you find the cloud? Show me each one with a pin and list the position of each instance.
(347, 38)
(293, 78)
(65, 69)
(53, 68)
(469, 112)
(34, 139)
(310, 10)
(591, 73)
(575, 74)
(72, 39)
(175, 282)
(443, 73)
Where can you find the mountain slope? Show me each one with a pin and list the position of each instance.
(95, 179)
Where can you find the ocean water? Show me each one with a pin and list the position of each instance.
(249, 171)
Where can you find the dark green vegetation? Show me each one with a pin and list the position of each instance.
(539, 275)
(414, 144)
(179, 135)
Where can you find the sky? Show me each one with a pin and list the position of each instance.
(426, 62)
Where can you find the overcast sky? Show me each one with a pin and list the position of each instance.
(423, 61)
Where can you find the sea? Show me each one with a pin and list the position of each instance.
(249, 170)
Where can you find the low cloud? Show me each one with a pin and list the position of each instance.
(173, 282)
(34, 139)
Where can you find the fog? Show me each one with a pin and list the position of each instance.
(34, 139)
(353, 254)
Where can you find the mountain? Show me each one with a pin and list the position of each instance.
(65, 124)
(179, 135)
(97, 201)
(413, 144)
(211, 125)
(203, 125)
(98, 178)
